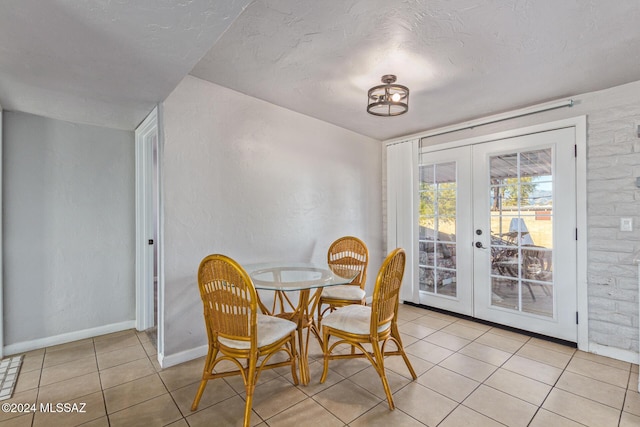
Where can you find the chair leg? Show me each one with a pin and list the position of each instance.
(196, 400)
(208, 367)
(250, 387)
(409, 367)
(325, 347)
(294, 356)
(531, 291)
(379, 358)
(396, 335)
(319, 316)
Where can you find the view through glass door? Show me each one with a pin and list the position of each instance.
(444, 243)
(519, 232)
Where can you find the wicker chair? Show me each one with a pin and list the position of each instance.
(235, 329)
(356, 325)
(345, 253)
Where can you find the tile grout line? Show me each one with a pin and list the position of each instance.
(102, 389)
(481, 383)
(575, 356)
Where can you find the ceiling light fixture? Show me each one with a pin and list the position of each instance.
(388, 99)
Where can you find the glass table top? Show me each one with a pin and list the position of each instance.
(297, 276)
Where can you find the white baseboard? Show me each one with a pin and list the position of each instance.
(183, 356)
(614, 353)
(24, 346)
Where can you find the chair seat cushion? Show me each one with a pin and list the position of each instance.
(270, 330)
(344, 292)
(355, 319)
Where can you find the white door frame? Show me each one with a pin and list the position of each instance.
(560, 322)
(580, 125)
(145, 135)
(1, 254)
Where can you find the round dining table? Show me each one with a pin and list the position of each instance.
(302, 278)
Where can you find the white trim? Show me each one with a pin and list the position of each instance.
(160, 231)
(144, 252)
(614, 353)
(36, 344)
(1, 245)
(144, 295)
(183, 356)
(146, 133)
(538, 108)
(582, 303)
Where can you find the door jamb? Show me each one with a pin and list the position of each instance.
(144, 213)
(1, 254)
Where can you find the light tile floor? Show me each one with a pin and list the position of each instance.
(469, 374)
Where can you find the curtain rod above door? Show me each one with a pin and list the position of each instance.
(553, 105)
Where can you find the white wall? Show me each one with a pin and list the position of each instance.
(68, 231)
(256, 182)
(613, 163)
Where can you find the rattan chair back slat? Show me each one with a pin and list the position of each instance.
(345, 255)
(229, 299)
(349, 253)
(386, 293)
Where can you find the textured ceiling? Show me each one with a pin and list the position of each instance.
(461, 59)
(108, 62)
(102, 62)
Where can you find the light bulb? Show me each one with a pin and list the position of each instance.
(395, 97)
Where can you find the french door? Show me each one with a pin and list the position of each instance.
(445, 233)
(497, 224)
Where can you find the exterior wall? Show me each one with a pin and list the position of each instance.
(613, 163)
(258, 183)
(68, 231)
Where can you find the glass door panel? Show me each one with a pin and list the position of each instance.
(520, 185)
(437, 225)
(441, 242)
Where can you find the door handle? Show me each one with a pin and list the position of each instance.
(479, 245)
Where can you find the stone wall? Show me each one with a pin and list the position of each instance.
(613, 162)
